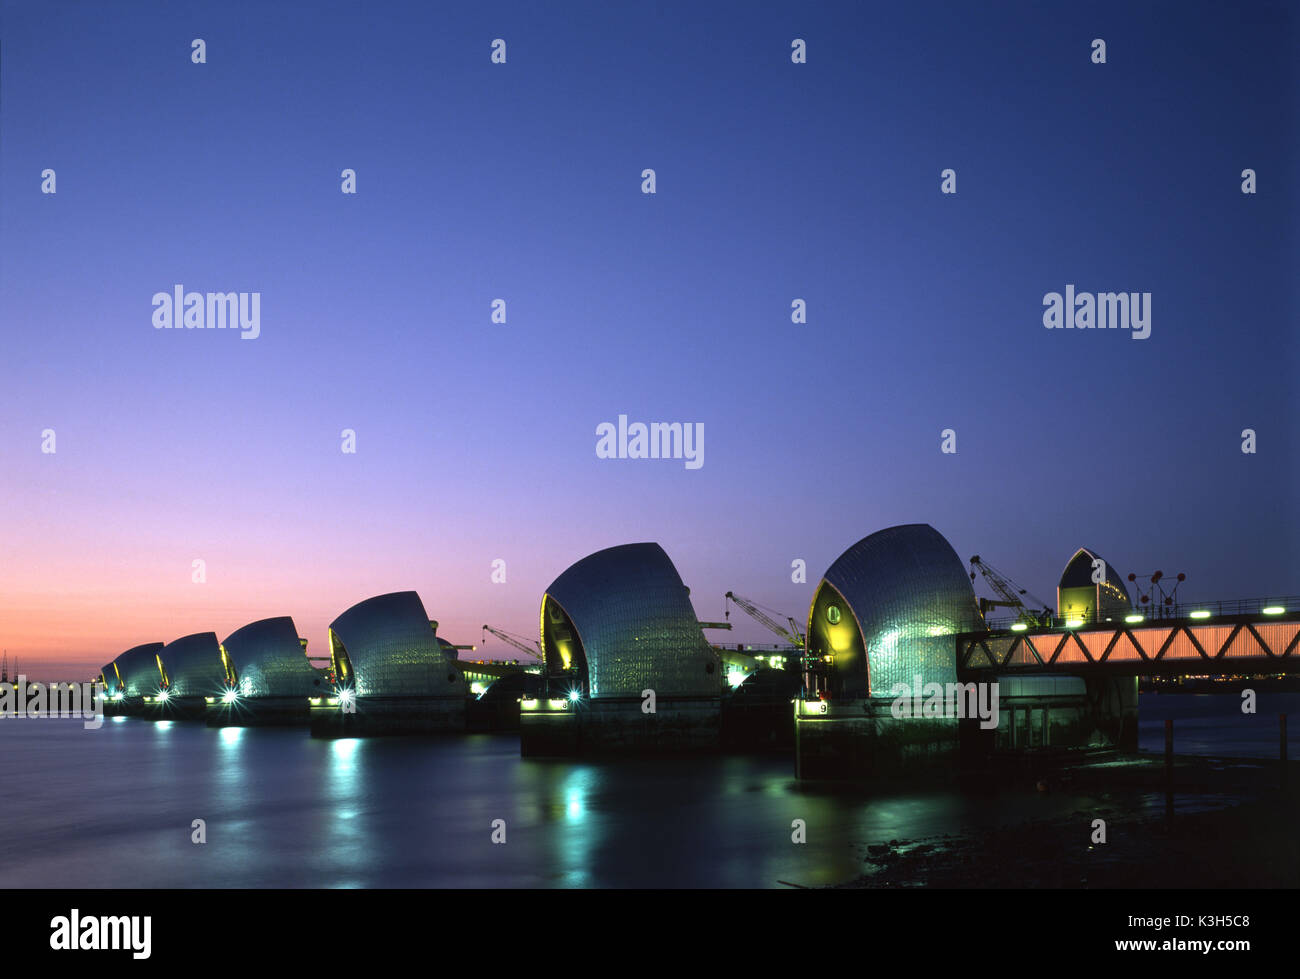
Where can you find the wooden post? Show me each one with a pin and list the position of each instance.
(1282, 739)
(1169, 746)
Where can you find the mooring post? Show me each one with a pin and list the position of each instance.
(1282, 745)
(798, 757)
(1169, 768)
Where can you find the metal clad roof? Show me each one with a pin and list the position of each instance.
(636, 624)
(394, 650)
(269, 660)
(910, 594)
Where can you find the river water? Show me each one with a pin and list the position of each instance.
(115, 807)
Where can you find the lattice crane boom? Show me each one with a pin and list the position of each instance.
(518, 642)
(1011, 595)
(792, 635)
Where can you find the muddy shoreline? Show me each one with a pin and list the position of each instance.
(1232, 825)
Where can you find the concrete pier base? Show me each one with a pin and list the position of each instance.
(491, 715)
(378, 716)
(619, 727)
(1050, 718)
(174, 709)
(1058, 714)
(547, 732)
(758, 728)
(861, 738)
(260, 712)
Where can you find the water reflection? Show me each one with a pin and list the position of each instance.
(346, 845)
(415, 812)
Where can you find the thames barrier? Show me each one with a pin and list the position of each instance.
(900, 667)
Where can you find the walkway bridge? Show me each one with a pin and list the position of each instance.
(1259, 637)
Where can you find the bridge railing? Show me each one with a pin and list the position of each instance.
(1279, 605)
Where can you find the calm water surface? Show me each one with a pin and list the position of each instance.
(113, 807)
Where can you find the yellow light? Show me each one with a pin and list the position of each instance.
(314, 701)
(1273, 610)
(1073, 623)
(1200, 614)
(528, 704)
(840, 637)
(559, 704)
(1018, 627)
(1134, 618)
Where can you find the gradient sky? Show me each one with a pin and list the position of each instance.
(476, 441)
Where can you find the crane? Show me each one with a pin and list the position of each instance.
(792, 635)
(1010, 594)
(519, 642)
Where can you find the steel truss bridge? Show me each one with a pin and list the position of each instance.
(1247, 643)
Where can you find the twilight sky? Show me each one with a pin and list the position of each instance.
(775, 181)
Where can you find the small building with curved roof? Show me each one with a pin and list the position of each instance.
(193, 666)
(1080, 598)
(887, 610)
(139, 670)
(267, 658)
(110, 678)
(620, 621)
(387, 646)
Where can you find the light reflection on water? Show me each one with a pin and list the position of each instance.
(284, 809)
